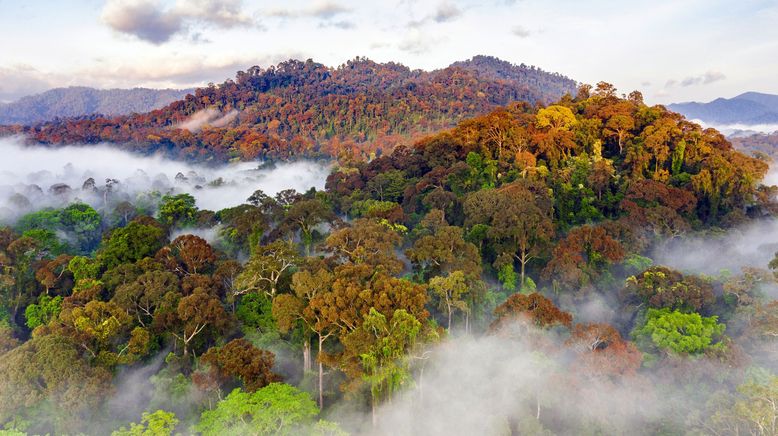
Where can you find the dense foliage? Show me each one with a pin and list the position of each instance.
(502, 229)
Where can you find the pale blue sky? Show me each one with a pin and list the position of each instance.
(671, 50)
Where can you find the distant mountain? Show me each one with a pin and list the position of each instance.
(750, 108)
(306, 108)
(77, 101)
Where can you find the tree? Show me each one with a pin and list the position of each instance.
(158, 423)
(602, 352)
(266, 267)
(555, 117)
(195, 313)
(130, 244)
(450, 290)
(46, 382)
(54, 274)
(141, 297)
(582, 256)
(444, 250)
(277, 409)
(85, 223)
(662, 287)
(678, 332)
(177, 210)
(384, 344)
(243, 226)
(45, 310)
(98, 328)
(288, 309)
(187, 255)
(304, 216)
(754, 410)
(533, 309)
(367, 242)
(242, 360)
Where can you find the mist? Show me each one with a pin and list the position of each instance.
(739, 129)
(754, 245)
(35, 177)
(207, 117)
(471, 386)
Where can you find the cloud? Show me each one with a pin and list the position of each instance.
(417, 42)
(520, 31)
(163, 71)
(20, 80)
(343, 24)
(149, 21)
(324, 10)
(705, 79)
(446, 12)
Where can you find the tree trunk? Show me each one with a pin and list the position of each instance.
(307, 356)
(321, 375)
(537, 415)
(373, 412)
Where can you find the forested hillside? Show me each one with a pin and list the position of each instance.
(758, 144)
(80, 101)
(494, 278)
(305, 108)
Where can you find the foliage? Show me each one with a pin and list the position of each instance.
(681, 332)
(158, 423)
(275, 409)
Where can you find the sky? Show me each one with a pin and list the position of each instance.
(671, 50)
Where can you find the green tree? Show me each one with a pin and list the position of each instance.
(384, 361)
(450, 291)
(680, 332)
(159, 423)
(44, 311)
(277, 409)
(178, 210)
(131, 244)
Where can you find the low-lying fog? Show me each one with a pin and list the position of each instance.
(739, 129)
(47, 176)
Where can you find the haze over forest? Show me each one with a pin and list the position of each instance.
(406, 243)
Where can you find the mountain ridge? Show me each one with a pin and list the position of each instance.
(79, 101)
(306, 108)
(749, 108)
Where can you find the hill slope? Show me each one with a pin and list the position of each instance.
(748, 108)
(296, 107)
(79, 101)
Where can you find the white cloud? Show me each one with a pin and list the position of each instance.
(323, 9)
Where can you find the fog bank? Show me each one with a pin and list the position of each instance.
(47, 176)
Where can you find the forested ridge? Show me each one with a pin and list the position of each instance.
(344, 310)
(305, 108)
